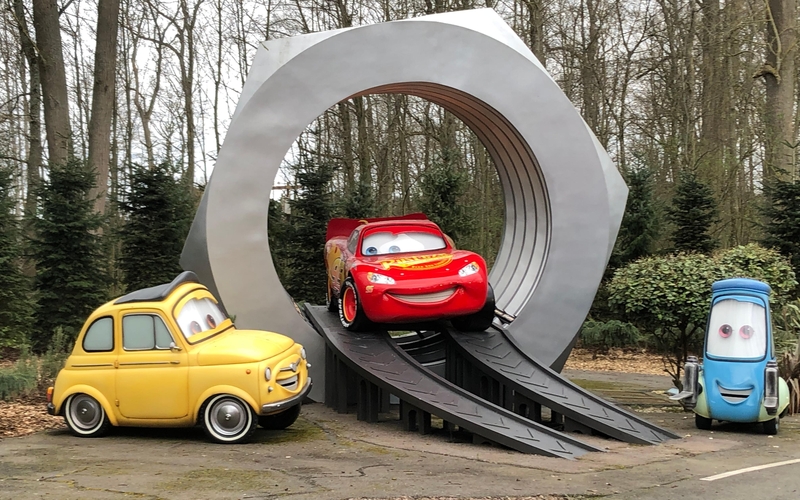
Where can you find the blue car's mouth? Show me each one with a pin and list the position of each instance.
(734, 396)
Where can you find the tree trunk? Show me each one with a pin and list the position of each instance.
(34, 160)
(103, 94)
(187, 82)
(347, 146)
(53, 79)
(779, 76)
(536, 15)
(364, 174)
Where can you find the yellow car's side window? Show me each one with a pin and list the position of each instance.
(100, 336)
(144, 332)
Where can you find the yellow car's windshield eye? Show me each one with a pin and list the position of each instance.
(198, 316)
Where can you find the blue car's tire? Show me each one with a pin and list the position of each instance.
(772, 427)
(702, 422)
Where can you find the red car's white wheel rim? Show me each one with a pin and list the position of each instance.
(349, 304)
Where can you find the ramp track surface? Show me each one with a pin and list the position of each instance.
(375, 357)
(497, 356)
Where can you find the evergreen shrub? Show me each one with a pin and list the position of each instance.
(53, 360)
(693, 212)
(20, 378)
(783, 219)
(16, 306)
(668, 297)
(600, 336)
(159, 209)
(70, 281)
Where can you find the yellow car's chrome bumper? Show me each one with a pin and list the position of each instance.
(271, 408)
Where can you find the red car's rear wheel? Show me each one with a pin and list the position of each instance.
(330, 301)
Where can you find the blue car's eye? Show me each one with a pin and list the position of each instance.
(394, 249)
(371, 251)
(746, 331)
(725, 331)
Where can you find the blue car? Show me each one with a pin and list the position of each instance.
(737, 380)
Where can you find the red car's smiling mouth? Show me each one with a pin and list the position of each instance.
(426, 297)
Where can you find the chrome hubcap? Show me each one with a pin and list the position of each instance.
(228, 417)
(86, 412)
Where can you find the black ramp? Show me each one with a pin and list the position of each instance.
(499, 357)
(375, 357)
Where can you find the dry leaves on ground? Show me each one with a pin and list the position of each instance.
(616, 360)
(538, 497)
(26, 416)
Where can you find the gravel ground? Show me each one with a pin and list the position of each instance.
(28, 415)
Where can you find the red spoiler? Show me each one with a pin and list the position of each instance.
(343, 227)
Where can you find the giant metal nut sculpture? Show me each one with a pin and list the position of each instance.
(564, 198)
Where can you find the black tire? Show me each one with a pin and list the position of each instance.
(702, 422)
(479, 321)
(772, 427)
(331, 302)
(280, 421)
(227, 419)
(85, 416)
(358, 321)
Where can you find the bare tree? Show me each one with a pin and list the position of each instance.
(34, 159)
(779, 77)
(103, 96)
(54, 80)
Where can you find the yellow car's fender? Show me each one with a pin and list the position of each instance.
(91, 391)
(223, 389)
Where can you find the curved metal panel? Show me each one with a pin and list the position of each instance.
(564, 198)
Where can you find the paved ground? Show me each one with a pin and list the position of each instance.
(331, 456)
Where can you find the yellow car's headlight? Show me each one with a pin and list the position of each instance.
(268, 374)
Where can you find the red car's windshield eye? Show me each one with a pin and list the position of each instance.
(725, 331)
(746, 331)
(371, 251)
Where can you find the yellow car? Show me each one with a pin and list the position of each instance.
(167, 356)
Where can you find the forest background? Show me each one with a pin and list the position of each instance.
(112, 113)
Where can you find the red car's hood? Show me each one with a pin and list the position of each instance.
(440, 263)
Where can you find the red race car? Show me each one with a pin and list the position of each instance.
(404, 270)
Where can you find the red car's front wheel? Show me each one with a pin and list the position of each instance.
(350, 312)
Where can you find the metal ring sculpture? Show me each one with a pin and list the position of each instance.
(564, 198)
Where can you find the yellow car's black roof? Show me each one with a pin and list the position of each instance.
(159, 292)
